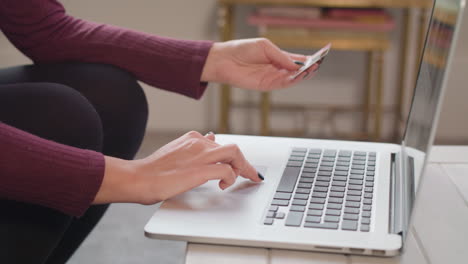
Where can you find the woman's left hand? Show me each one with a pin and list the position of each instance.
(255, 64)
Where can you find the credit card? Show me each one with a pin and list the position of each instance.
(311, 60)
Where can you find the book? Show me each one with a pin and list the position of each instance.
(321, 23)
(292, 12)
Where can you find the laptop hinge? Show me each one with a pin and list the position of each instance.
(395, 223)
(401, 193)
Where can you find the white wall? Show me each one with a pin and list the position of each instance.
(340, 79)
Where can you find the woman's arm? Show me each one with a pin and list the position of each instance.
(39, 171)
(44, 32)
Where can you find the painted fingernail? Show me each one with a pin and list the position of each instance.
(260, 176)
(299, 62)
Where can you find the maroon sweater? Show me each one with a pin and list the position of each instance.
(39, 171)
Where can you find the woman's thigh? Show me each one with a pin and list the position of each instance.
(115, 94)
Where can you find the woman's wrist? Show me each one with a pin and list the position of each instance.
(209, 73)
(119, 183)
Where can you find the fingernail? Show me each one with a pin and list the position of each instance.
(209, 133)
(299, 62)
(260, 176)
(307, 74)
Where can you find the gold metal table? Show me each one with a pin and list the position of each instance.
(374, 46)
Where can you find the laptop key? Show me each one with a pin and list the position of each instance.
(328, 159)
(355, 182)
(353, 204)
(323, 184)
(316, 206)
(315, 150)
(341, 168)
(282, 196)
(367, 207)
(370, 173)
(273, 208)
(339, 183)
(370, 179)
(268, 221)
(340, 178)
(337, 189)
(357, 167)
(368, 195)
(320, 189)
(345, 153)
(341, 173)
(297, 208)
(315, 212)
(365, 228)
(337, 194)
(355, 187)
(360, 172)
(334, 206)
(333, 212)
(327, 164)
(324, 173)
(353, 198)
(358, 163)
(306, 180)
(369, 184)
(296, 158)
(302, 190)
(304, 185)
(335, 200)
(310, 170)
(356, 177)
(319, 195)
(366, 214)
(369, 189)
(342, 163)
(350, 210)
(367, 201)
(370, 168)
(294, 164)
(323, 178)
(294, 218)
(311, 166)
(354, 193)
(270, 214)
(313, 219)
(365, 221)
(351, 217)
(329, 153)
(280, 202)
(360, 153)
(301, 196)
(280, 215)
(349, 225)
(324, 225)
(308, 175)
(332, 218)
(324, 168)
(317, 200)
(288, 180)
(299, 202)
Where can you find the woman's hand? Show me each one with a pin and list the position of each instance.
(179, 166)
(255, 64)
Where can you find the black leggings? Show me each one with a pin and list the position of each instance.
(90, 106)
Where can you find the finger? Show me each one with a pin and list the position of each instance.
(232, 155)
(295, 56)
(279, 58)
(210, 135)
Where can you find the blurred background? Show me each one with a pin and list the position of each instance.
(361, 92)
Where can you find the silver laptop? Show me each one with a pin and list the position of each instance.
(324, 195)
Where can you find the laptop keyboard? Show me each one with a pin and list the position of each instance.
(329, 189)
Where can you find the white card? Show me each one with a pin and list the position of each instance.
(311, 60)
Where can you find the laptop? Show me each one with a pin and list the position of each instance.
(324, 195)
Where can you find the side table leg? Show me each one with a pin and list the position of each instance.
(378, 95)
(367, 111)
(265, 113)
(226, 25)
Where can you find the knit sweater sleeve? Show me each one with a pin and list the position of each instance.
(44, 32)
(35, 170)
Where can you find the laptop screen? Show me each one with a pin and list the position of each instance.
(420, 124)
(432, 78)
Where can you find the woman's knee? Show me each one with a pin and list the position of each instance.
(52, 111)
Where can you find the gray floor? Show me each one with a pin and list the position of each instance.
(119, 238)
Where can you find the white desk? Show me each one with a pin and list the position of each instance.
(440, 235)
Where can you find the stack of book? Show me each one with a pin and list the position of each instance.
(326, 23)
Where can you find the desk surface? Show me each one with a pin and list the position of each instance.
(440, 233)
(338, 3)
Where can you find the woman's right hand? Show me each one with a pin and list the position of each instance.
(177, 167)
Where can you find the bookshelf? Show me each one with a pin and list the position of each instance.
(374, 44)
